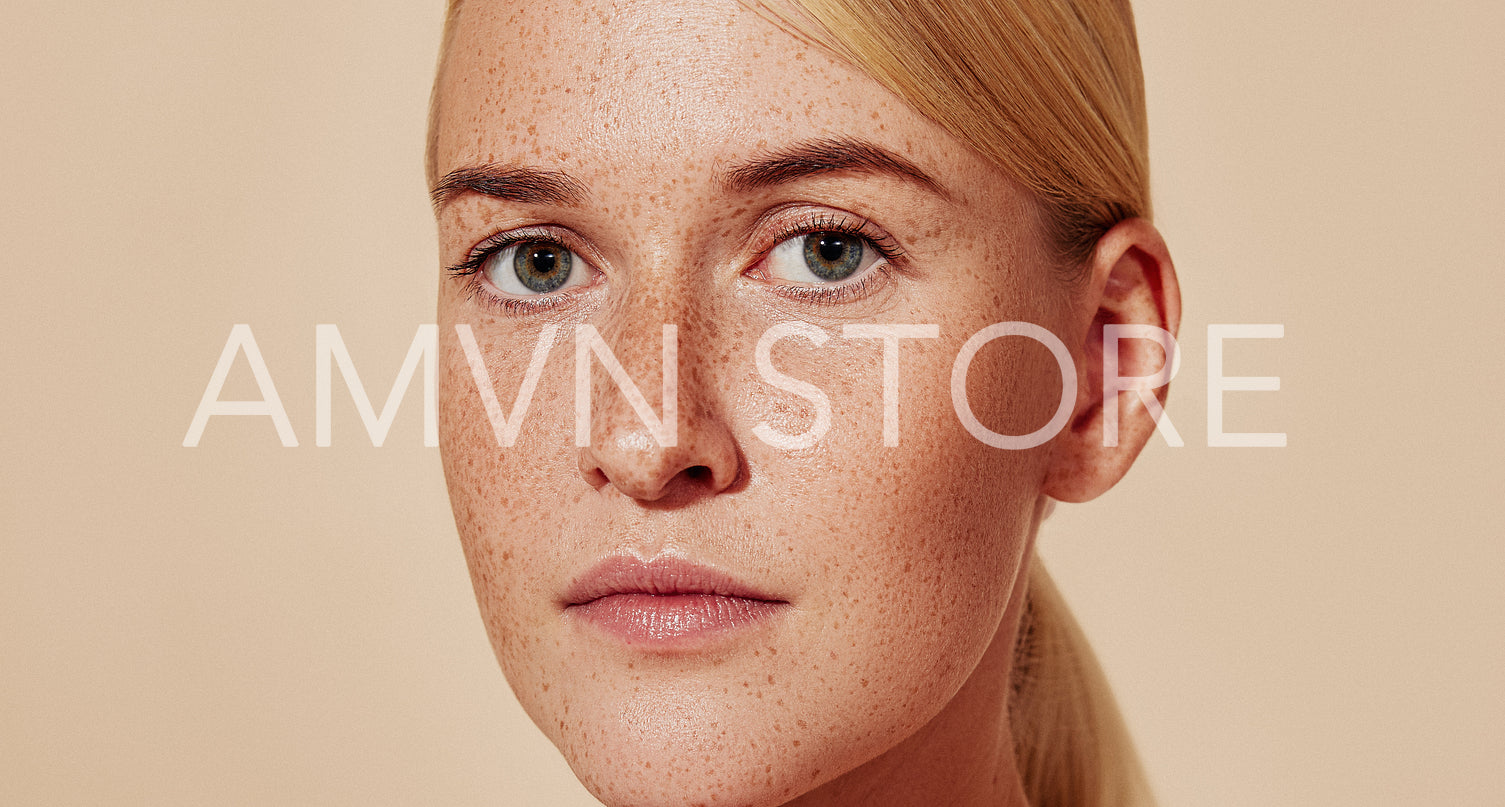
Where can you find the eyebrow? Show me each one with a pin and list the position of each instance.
(511, 183)
(827, 155)
(802, 160)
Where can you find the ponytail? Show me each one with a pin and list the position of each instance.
(1070, 743)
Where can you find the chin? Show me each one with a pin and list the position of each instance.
(716, 738)
(666, 744)
(724, 772)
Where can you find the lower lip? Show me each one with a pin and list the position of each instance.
(675, 621)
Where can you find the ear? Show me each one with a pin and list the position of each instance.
(1132, 282)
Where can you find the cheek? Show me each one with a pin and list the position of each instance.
(497, 492)
(908, 554)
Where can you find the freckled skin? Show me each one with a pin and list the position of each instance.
(886, 681)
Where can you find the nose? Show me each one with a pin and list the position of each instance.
(706, 464)
(626, 450)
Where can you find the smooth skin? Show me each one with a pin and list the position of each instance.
(885, 682)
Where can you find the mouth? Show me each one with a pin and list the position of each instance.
(667, 603)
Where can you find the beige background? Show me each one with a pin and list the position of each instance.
(246, 624)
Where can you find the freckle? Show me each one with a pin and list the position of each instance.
(864, 682)
(545, 687)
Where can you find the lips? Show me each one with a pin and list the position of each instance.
(667, 603)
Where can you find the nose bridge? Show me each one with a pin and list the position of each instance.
(654, 293)
(656, 420)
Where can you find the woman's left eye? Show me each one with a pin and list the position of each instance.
(821, 258)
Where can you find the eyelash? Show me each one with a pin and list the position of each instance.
(832, 294)
(473, 264)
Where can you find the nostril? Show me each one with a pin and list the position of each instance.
(703, 463)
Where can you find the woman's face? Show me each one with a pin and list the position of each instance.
(724, 620)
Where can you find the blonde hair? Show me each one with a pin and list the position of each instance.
(1070, 743)
(1051, 92)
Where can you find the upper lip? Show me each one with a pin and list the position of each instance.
(666, 574)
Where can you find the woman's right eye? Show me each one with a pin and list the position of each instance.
(822, 257)
(535, 268)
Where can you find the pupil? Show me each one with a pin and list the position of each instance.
(544, 260)
(832, 248)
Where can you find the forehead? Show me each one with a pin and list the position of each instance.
(646, 89)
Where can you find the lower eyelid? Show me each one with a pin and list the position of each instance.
(512, 304)
(846, 291)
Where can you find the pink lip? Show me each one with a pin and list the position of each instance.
(667, 603)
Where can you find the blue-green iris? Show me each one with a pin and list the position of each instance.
(540, 266)
(833, 256)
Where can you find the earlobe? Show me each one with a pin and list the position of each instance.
(1132, 282)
